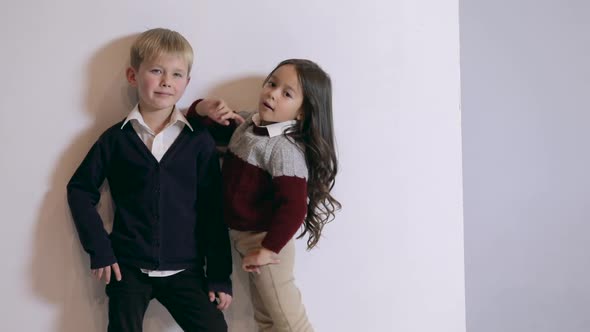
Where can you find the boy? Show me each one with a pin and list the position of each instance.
(164, 176)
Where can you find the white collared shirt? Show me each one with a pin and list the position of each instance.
(158, 144)
(274, 129)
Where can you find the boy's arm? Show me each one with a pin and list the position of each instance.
(83, 195)
(214, 231)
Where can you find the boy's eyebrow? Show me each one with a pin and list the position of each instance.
(158, 64)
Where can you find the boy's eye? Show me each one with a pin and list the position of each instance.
(156, 71)
(271, 83)
(178, 75)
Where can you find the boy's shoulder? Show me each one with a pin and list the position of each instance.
(113, 131)
(196, 125)
(200, 131)
(119, 134)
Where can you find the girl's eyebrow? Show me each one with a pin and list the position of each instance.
(291, 88)
(288, 87)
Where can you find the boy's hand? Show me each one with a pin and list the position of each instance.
(106, 273)
(224, 299)
(257, 258)
(218, 111)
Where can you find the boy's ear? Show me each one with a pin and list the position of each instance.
(131, 76)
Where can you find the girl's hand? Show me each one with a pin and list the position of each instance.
(257, 258)
(218, 111)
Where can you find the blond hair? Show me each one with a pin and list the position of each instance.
(157, 42)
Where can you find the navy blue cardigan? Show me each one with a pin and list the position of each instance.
(168, 215)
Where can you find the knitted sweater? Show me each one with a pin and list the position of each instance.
(168, 214)
(264, 180)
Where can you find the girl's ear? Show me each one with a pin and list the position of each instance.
(299, 116)
(131, 76)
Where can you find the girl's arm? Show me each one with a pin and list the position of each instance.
(290, 207)
(288, 169)
(289, 181)
(216, 116)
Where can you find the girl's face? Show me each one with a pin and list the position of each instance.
(281, 97)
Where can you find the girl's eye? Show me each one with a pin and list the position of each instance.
(271, 83)
(288, 94)
(178, 75)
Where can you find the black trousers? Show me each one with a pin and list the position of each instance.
(182, 294)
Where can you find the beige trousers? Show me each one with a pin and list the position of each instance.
(275, 298)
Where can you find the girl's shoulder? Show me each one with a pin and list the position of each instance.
(247, 116)
(286, 157)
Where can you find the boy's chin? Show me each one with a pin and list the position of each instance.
(155, 107)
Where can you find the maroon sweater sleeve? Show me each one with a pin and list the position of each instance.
(289, 209)
(221, 134)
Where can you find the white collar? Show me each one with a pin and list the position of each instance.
(274, 129)
(175, 117)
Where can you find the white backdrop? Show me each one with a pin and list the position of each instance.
(393, 258)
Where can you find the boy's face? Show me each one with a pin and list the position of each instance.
(281, 96)
(160, 82)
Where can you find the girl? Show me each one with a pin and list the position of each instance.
(278, 171)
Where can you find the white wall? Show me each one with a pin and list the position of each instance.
(526, 81)
(392, 260)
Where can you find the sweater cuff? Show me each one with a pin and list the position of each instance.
(273, 244)
(97, 262)
(192, 110)
(192, 114)
(216, 286)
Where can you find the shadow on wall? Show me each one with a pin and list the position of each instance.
(241, 94)
(60, 269)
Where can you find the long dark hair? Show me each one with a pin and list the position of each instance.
(316, 132)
